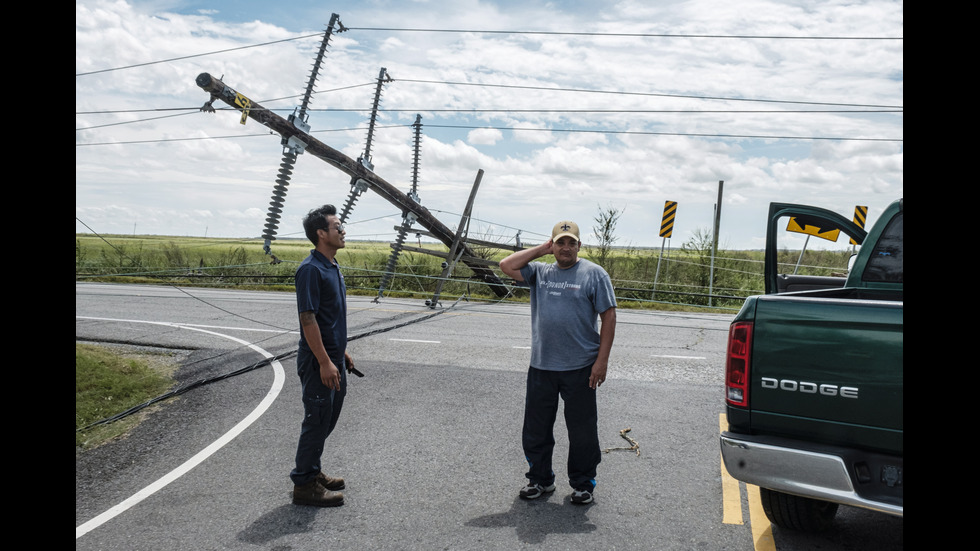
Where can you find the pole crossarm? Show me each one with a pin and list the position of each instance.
(470, 241)
(446, 256)
(289, 132)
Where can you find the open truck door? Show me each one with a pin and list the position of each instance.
(810, 220)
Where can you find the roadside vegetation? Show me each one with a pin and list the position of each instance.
(109, 381)
(678, 279)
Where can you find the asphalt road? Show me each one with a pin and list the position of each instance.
(429, 441)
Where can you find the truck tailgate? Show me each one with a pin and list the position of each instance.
(829, 370)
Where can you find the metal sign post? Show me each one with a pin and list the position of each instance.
(666, 230)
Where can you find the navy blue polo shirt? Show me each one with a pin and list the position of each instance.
(320, 288)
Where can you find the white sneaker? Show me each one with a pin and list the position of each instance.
(534, 491)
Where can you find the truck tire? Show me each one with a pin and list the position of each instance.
(797, 513)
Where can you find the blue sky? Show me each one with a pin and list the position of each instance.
(659, 101)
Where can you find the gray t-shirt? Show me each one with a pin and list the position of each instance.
(565, 305)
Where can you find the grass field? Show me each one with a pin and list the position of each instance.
(685, 277)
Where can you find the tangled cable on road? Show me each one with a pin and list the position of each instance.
(262, 363)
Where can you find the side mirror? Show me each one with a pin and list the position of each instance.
(850, 262)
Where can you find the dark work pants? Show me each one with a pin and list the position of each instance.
(321, 408)
(541, 410)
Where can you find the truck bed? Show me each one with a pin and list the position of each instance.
(820, 337)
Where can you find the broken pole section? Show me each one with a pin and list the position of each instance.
(408, 218)
(357, 187)
(291, 150)
(459, 241)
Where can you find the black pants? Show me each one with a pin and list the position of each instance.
(541, 410)
(321, 408)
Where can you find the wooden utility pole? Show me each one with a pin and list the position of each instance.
(459, 241)
(714, 241)
(290, 133)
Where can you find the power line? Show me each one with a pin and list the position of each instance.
(551, 33)
(651, 133)
(560, 130)
(197, 55)
(194, 110)
(165, 140)
(635, 35)
(271, 100)
(851, 108)
(464, 111)
(653, 94)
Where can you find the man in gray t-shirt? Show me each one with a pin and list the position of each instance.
(569, 357)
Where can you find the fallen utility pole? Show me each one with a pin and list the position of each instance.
(289, 132)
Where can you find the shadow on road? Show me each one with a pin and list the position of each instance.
(535, 520)
(282, 521)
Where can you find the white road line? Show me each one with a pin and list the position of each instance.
(163, 481)
(260, 330)
(416, 340)
(678, 357)
(196, 325)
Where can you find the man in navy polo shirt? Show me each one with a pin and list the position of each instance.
(322, 359)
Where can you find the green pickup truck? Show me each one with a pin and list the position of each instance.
(813, 379)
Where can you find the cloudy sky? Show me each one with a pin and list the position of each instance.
(568, 107)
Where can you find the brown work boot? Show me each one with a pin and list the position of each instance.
(330, 483)
(313, 493)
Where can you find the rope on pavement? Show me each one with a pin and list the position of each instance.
(635, 445)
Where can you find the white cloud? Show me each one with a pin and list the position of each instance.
(650, 138)
(484, 136)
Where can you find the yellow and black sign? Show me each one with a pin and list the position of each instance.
(801, 225)
(245, 104)
(667, 226)
(860, 215)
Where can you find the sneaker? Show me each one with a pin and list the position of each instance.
(534, 491)
(313, 493)
(330, 483)
(581, 497)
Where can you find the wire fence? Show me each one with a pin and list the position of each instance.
(641, 278)
(411, 281)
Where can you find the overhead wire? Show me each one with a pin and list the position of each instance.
(169, 60)
(625, 93)
(541, 88)
(621, 35)
(488, 31)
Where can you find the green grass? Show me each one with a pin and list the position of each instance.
(110, 381)
(682, 275)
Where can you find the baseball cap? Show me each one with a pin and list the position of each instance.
(563, 228)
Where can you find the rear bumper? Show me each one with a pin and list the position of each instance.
(847, 477)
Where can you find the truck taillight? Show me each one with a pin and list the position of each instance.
(737, 363)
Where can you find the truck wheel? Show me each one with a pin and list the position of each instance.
(797, 513)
